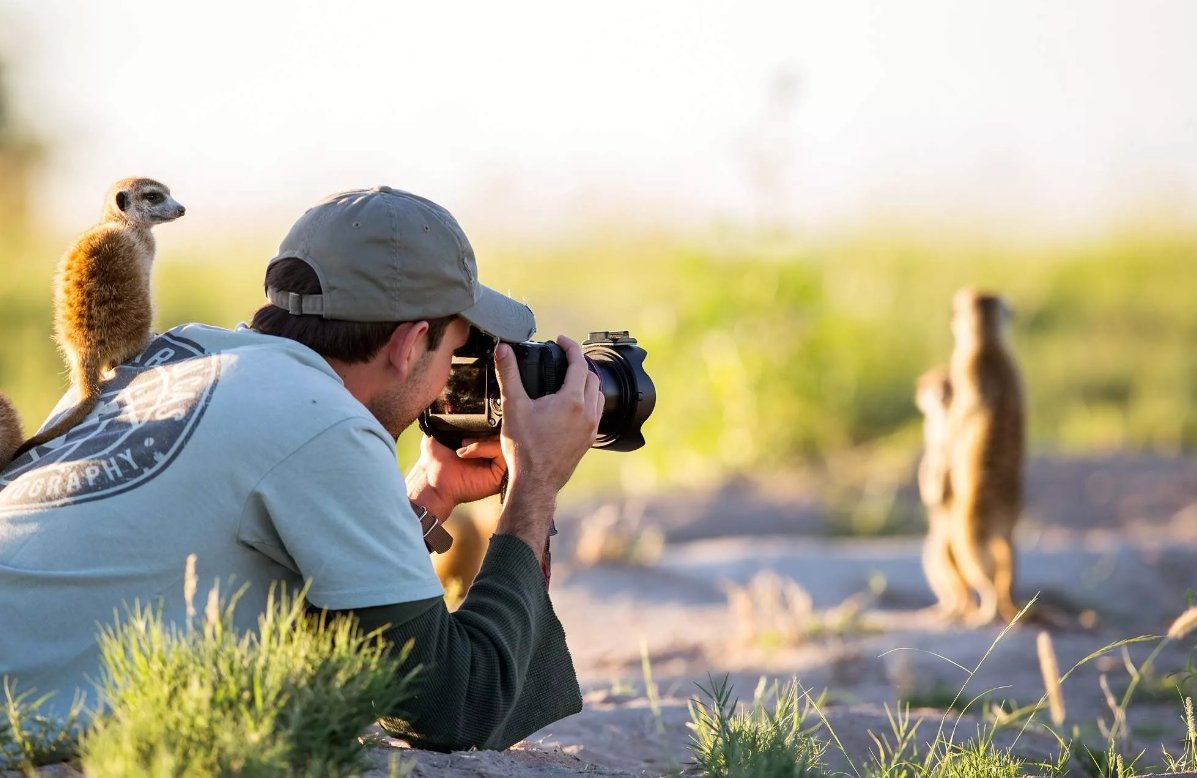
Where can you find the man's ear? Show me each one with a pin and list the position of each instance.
(406, 346)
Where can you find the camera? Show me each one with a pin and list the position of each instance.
(470, 405)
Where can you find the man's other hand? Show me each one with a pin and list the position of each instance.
(443, 478)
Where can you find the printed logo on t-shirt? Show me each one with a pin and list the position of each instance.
(145, 416)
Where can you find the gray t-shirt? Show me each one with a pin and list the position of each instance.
(242, 448)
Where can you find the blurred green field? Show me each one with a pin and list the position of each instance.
(802, 358)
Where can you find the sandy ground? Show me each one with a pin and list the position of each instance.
(1108, 545)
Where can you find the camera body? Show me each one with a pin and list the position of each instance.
(470, 405)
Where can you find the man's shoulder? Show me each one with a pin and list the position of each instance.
(246, 352)
(208, 339)
(264, 380)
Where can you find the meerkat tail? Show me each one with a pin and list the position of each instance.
(87, 379)
(69, 422)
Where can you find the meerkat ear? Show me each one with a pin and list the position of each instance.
(122, 200)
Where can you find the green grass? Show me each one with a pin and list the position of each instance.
(203, 700)
(758, 743)
(728, 741)
(291, 698)
(898, 754)
(28, 737)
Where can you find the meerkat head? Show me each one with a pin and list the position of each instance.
(933, 391)
(141, 202)
(978, 315)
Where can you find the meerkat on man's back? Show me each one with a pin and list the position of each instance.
(986, 427)
(933, 395)
(103, 303)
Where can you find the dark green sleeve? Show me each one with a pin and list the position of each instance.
(494, 671)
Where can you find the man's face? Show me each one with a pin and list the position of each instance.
(401, 406)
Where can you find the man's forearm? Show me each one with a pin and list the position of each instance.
(493, 672)
(528, 513)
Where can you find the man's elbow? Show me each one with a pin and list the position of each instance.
(484, 730)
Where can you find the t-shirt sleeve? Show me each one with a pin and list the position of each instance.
(335, 511)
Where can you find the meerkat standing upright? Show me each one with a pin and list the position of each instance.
(103, 304)
(933, 395)
(985, 423)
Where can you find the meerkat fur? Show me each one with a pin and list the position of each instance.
(103, 305)
(986, 425)
(10, 431)
(472, 527)
(933, 395)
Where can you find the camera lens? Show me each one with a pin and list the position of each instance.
(628, 393)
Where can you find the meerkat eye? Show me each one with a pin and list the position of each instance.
(154, 197)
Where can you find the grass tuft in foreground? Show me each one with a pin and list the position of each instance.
(28, 738)
(758, 742)
(292, 699)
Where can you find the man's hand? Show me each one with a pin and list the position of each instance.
(543, 440)
(442, 479)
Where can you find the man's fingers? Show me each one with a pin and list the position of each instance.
(576, 372)
(491, 448)
(511, 388)
(594, 396)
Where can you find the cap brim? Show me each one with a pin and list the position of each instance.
(498, 315)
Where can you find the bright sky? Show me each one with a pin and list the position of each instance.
(528, 114)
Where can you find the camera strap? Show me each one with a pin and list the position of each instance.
(436, 538)
(546, 563)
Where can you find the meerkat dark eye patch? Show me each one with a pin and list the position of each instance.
(154, 197)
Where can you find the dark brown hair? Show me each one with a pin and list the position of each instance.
(348, 341)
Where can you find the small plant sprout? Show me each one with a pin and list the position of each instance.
(190, 584)
(771, 610)
(650, 687)
(1184, 624)
(1188, 756)
(1051, 677)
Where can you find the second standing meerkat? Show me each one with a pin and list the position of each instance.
(986, 429)
(933, 395)
(103, 304)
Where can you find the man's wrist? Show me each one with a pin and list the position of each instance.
(423, 493)
(528, 514)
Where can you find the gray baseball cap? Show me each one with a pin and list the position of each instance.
(382, 254)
